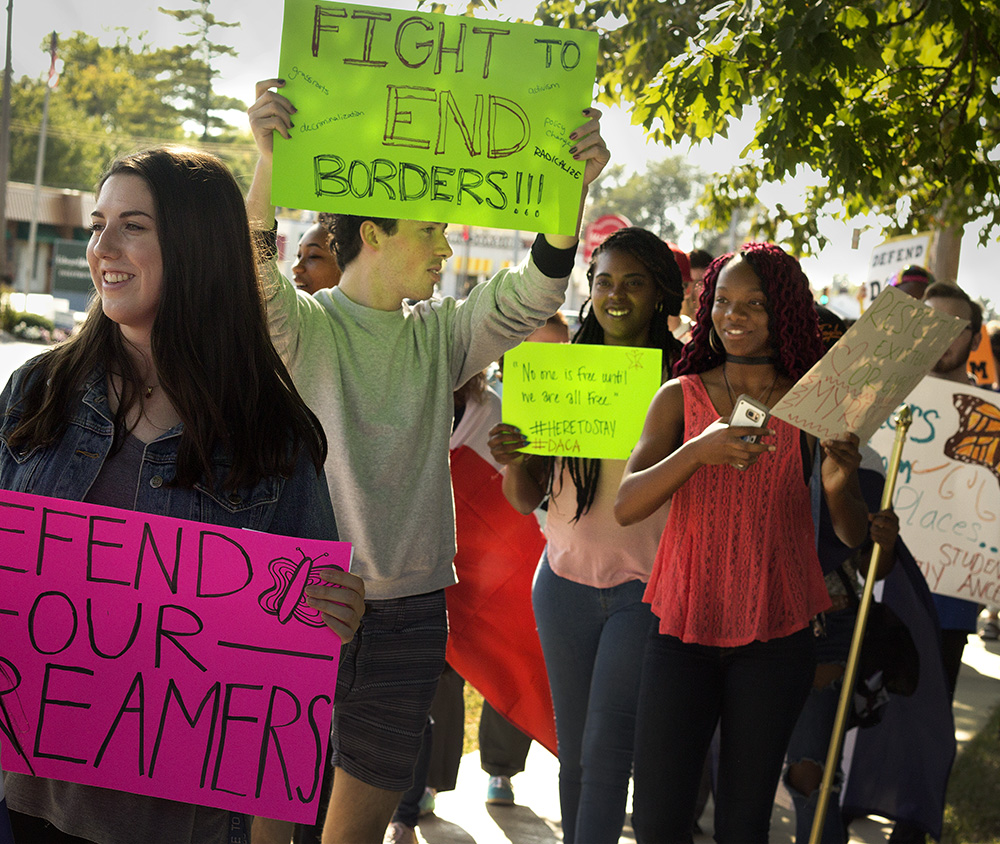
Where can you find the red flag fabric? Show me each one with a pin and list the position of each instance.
(492, 639)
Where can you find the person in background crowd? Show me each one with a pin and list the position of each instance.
(957, 616)
(912, 280)
(699, 259)
(680, 325)
(315, 266)
(834, 629)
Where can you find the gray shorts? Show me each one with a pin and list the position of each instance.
(387, 678)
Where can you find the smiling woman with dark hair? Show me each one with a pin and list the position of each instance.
(736, 578)
(170, 400)
(587, 594)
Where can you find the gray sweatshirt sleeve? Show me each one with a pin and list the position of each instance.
(499, 314)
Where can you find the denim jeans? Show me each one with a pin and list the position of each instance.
(756, 691)
(810, 739)
(592, 640)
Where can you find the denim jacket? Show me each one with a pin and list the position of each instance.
(297, 506)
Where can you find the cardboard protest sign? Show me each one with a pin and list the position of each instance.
(436, 117)
(580, 400)
(948, 490)
(889, 257)
(857, 384)
(164, 657)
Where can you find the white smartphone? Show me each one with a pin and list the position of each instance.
(749, 413)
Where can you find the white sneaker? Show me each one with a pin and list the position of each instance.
(400, 833)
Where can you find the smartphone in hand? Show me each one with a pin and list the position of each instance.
(749, 413)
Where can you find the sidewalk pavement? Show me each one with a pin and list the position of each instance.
(15, 352)
(462, 817)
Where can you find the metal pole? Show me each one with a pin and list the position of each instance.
(903, 419)
(5, 145)
(37, 195)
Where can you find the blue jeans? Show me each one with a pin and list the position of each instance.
(592, 640)
(756, 691)
(810, 739)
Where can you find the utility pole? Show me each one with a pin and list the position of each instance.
(5, 147)
(39, 170)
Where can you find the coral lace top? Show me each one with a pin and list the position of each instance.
(737, 560)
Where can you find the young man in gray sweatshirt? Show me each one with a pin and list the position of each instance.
(380, 373)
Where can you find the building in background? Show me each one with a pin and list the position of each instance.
(63, 215)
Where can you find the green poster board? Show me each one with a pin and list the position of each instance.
(432, 117)
(580, 400)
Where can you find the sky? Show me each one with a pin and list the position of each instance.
(257, 42)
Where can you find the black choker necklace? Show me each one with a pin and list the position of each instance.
(752, 361)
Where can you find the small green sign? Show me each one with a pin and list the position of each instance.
(580, 400)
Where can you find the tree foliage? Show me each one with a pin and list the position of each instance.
(198, 71)
(114, 97)
(661, 198)
(129, 86)
(77, 147)
(892, 104)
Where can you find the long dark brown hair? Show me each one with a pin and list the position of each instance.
(210, 342)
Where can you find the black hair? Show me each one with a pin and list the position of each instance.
(659, 261)
(699, 259)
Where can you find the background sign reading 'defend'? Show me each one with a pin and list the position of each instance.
(580, 400)
(164, 657)
(948, 489)
(432, 117)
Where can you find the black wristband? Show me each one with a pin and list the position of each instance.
(555, 263)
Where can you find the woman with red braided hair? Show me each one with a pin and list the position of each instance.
(736, 579)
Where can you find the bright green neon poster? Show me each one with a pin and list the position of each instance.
(432, 117)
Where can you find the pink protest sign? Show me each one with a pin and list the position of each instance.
(164, 657)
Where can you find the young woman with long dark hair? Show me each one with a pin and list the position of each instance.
(587, 593)
(170, 400)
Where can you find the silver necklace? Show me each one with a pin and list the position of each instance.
(732, 396)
